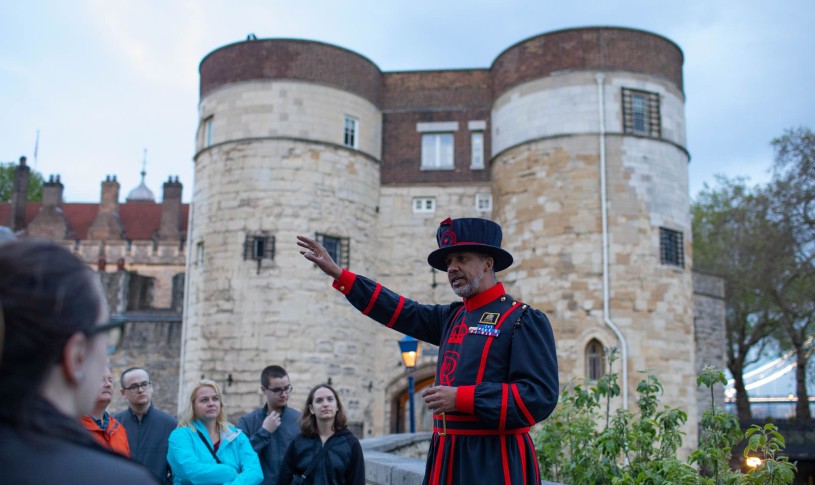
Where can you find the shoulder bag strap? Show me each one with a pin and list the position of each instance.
(206, 443)
(317, 460)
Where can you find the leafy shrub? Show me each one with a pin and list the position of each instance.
(640, 448)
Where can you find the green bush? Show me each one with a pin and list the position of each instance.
(640, 448)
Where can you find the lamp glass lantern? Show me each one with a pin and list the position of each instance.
(411, 351)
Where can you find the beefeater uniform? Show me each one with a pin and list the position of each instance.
(498, 352)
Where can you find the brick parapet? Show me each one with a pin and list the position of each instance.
(291, 59)
(592, 48)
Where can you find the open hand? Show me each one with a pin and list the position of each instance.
(317, 254)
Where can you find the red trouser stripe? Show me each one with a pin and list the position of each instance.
(522, 449)
(450, 460)
(521, 405)
(505, 460)
(531, 445)
(396, 313)
(373, 300)
(437, 464)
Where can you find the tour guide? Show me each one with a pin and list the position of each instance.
(497, 372)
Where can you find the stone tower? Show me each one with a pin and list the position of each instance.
(573, 140)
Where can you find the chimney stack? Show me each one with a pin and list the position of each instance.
(19, 196)
(171, 211)
(107, 224)
(50, 221)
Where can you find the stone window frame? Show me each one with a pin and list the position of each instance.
(350, 132)
(339, 248)
(483, 202)
(208, 131)
(641, 114)
(424, 205)
(595, 360)
(199, 253)
(671, 247)
(259, 246)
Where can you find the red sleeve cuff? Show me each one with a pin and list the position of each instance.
(465, 399)
(344, 283)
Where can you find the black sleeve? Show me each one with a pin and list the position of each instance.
(356, 469)
(287, 465)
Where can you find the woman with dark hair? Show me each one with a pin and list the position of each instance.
(325, 452)
(54, 340)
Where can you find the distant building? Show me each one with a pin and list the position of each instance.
(137, 247)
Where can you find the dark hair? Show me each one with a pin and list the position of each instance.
(131, 369)
(272, 372)
(46, 294)
(308, 422)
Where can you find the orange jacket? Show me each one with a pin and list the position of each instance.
(114, 437)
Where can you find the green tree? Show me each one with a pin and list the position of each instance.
(731, 237)
(35, 182)
(791, 283)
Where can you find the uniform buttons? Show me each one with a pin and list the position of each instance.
(342, 288)
(503, 298)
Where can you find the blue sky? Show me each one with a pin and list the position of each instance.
(104, 79)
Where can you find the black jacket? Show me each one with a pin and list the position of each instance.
(58, 450)
(148, 438)
(343, 463)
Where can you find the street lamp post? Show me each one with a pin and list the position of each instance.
(410, 349)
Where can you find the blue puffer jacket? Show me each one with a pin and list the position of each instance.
(192, 462)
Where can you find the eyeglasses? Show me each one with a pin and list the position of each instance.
(279, 390)
(139, 387)
(115, 331)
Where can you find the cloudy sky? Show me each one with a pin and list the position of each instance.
(104, 79)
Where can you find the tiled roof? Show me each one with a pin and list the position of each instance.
(140, 219)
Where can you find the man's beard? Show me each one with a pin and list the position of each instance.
(471, 288)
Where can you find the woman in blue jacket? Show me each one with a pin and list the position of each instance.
(205, 449)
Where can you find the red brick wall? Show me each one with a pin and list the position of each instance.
(291, 59)
(601, 48)
(432, 96)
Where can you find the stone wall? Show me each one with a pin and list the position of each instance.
(709, 331)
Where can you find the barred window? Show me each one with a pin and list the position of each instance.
(671, 248)
(641, 113)
(339, 248)
(257, 247)
(595, 365)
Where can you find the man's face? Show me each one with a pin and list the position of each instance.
(277, 399)
(465, 272)
(106, 391)
(137, 388)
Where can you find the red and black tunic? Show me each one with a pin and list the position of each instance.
(500, 354)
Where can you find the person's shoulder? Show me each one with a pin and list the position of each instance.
(163, 415)
(122, 416)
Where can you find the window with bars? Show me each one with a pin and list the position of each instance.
(339, 248)
(641, 113)
(350, 132)
(671, 248)
(595, 361)
(257, 247)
